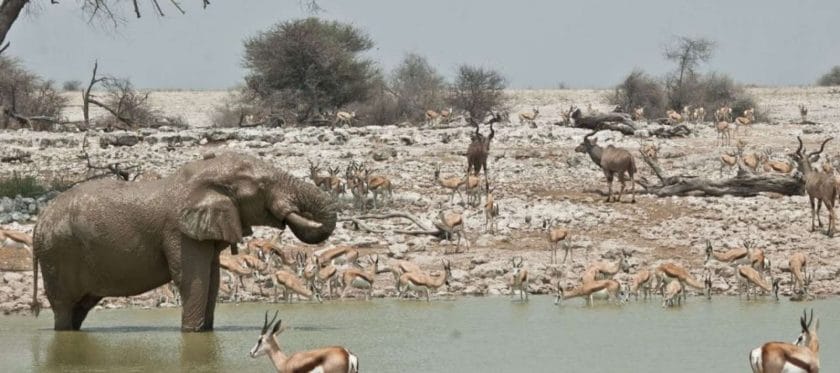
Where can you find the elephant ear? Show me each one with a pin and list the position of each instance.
(210, 216)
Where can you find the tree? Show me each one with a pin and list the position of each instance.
(26, 100)
(640, 90)
(687, 53)
(830, 78)
(478, 91)
(309, 65)
(417, 85)
(105, 9)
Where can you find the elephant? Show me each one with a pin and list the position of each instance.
(113, 238)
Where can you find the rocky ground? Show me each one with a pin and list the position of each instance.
(536, 173)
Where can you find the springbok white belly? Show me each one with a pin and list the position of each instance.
(318, 369)
(601, 294)
(790, 368)
(360, 283)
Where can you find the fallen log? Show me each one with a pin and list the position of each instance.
(620, 122)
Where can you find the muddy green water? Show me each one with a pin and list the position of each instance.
(463, 335)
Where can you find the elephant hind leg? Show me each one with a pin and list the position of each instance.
(81, 309)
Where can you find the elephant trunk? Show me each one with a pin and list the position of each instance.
(313, 220)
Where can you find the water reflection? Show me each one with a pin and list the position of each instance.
(201, 350)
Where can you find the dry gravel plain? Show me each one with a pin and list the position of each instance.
(536, 173)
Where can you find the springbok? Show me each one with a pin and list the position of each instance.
(803, 112)
(15, 239)
(699, 115)
(400, 267)
(423, 282)
(601, 289)
(452, 224)
(606, 270)
(355, 278)
(673, 294)
(727, 160)
(236, 271)
(642, 282)
(667, 272)
(291, 283)
(452, 183)
(723, 114)
(491, 212)
(802, 356)
(445, 115)
(519, 279)
(432, 117)
(638, 113)
(323, 360)
(555, 236)
(750, 278)
(378, 184)
(746, 120)
(343, 117)
(724, 133)
(529, 117)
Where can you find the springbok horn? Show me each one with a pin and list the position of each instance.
(265, 323)
(300, 221)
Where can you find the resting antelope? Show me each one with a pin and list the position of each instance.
(423, 282)
(612, 161)
(343, 117)
(519, 279)
(601, 289)
(556, 236)
(606, 270)
(452, 183)
(491, 212)
(822, 188)
(323, 360)
(642, 282)
(783, 167)
(668, 272)
(674, 117)
(529, 117)
(361, 279)
(750, 278)
(802, 356)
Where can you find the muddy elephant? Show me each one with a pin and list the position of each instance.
(110, 238)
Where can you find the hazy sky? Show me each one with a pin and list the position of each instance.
(536, 44)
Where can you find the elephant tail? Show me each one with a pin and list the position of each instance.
(35, 306)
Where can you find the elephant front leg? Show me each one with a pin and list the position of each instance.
(213, 293)
(197, 263)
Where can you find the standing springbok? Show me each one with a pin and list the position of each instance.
(673, 294)
(821, 187)
(452, 224)
(400, 267)
(291, 283)
(727, 160)
(378, 184)
(236, 272)
(432, 117)
(724, 133)
(423, 282)
(529, 117)
(355, 278)
(15, 239)
(642, 282)
(323, 360)
(606, 270)
(555, 236)
(602, 289)
(797, 265)
(612, 161)
(698, 115)
(746, 120)
(452, 183)
(343, 117)
(750, 278)
(723, 114)
(802, 356)
(491, 212)
(445, 115)
(519, 279)
(667, 272)
(803, 112)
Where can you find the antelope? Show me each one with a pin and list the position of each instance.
(491, 211)
(608, 289)
(673, 116)
(339, 255)
(673, 293)
(723, 114)
(343, 117)
(355, 278)
(445, 115)
(797, 265)
(529, 117)
(612, 161)
(821, 187)
(519, 279)
(320, 181)
(649, 150)
(638, 113)
(699, 115)
(802, 356)
(642, 282)
(686, 113)
(727, 160)
(668, 272)
(604, 270)
(477, 153)
(732, 257)
(15, 239)
(745, 120)
(324, 360)
(432, 117)
(753, 160)
(235, 272)
(724, 133)
(452, 183)
(555, 236)
(472, 184)
(751, 278)
(333, 182)
(378, 184)
(776, 166)
(803, 112)
(315, 274)
(400, 267)
(452, 224)
(291, 283)
(357, 184)
(422, 282)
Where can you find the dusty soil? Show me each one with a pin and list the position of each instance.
(537, 176)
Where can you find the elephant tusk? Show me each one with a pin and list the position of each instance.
(300, 221)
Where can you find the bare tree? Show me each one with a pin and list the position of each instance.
(687, 53)
(478, 91)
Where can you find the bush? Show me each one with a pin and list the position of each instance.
(72, 85)
(640, 89)
(417, 87)
(24, 186)
(716, 90)
(381, 109)
(478, 91)
(830, 78)
(130, 107)
(26, 94)
(309, 65)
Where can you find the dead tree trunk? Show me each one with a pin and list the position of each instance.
(358, 222)
(620, 122)
(745, 184)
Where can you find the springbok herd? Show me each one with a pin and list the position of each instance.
(342, 271)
